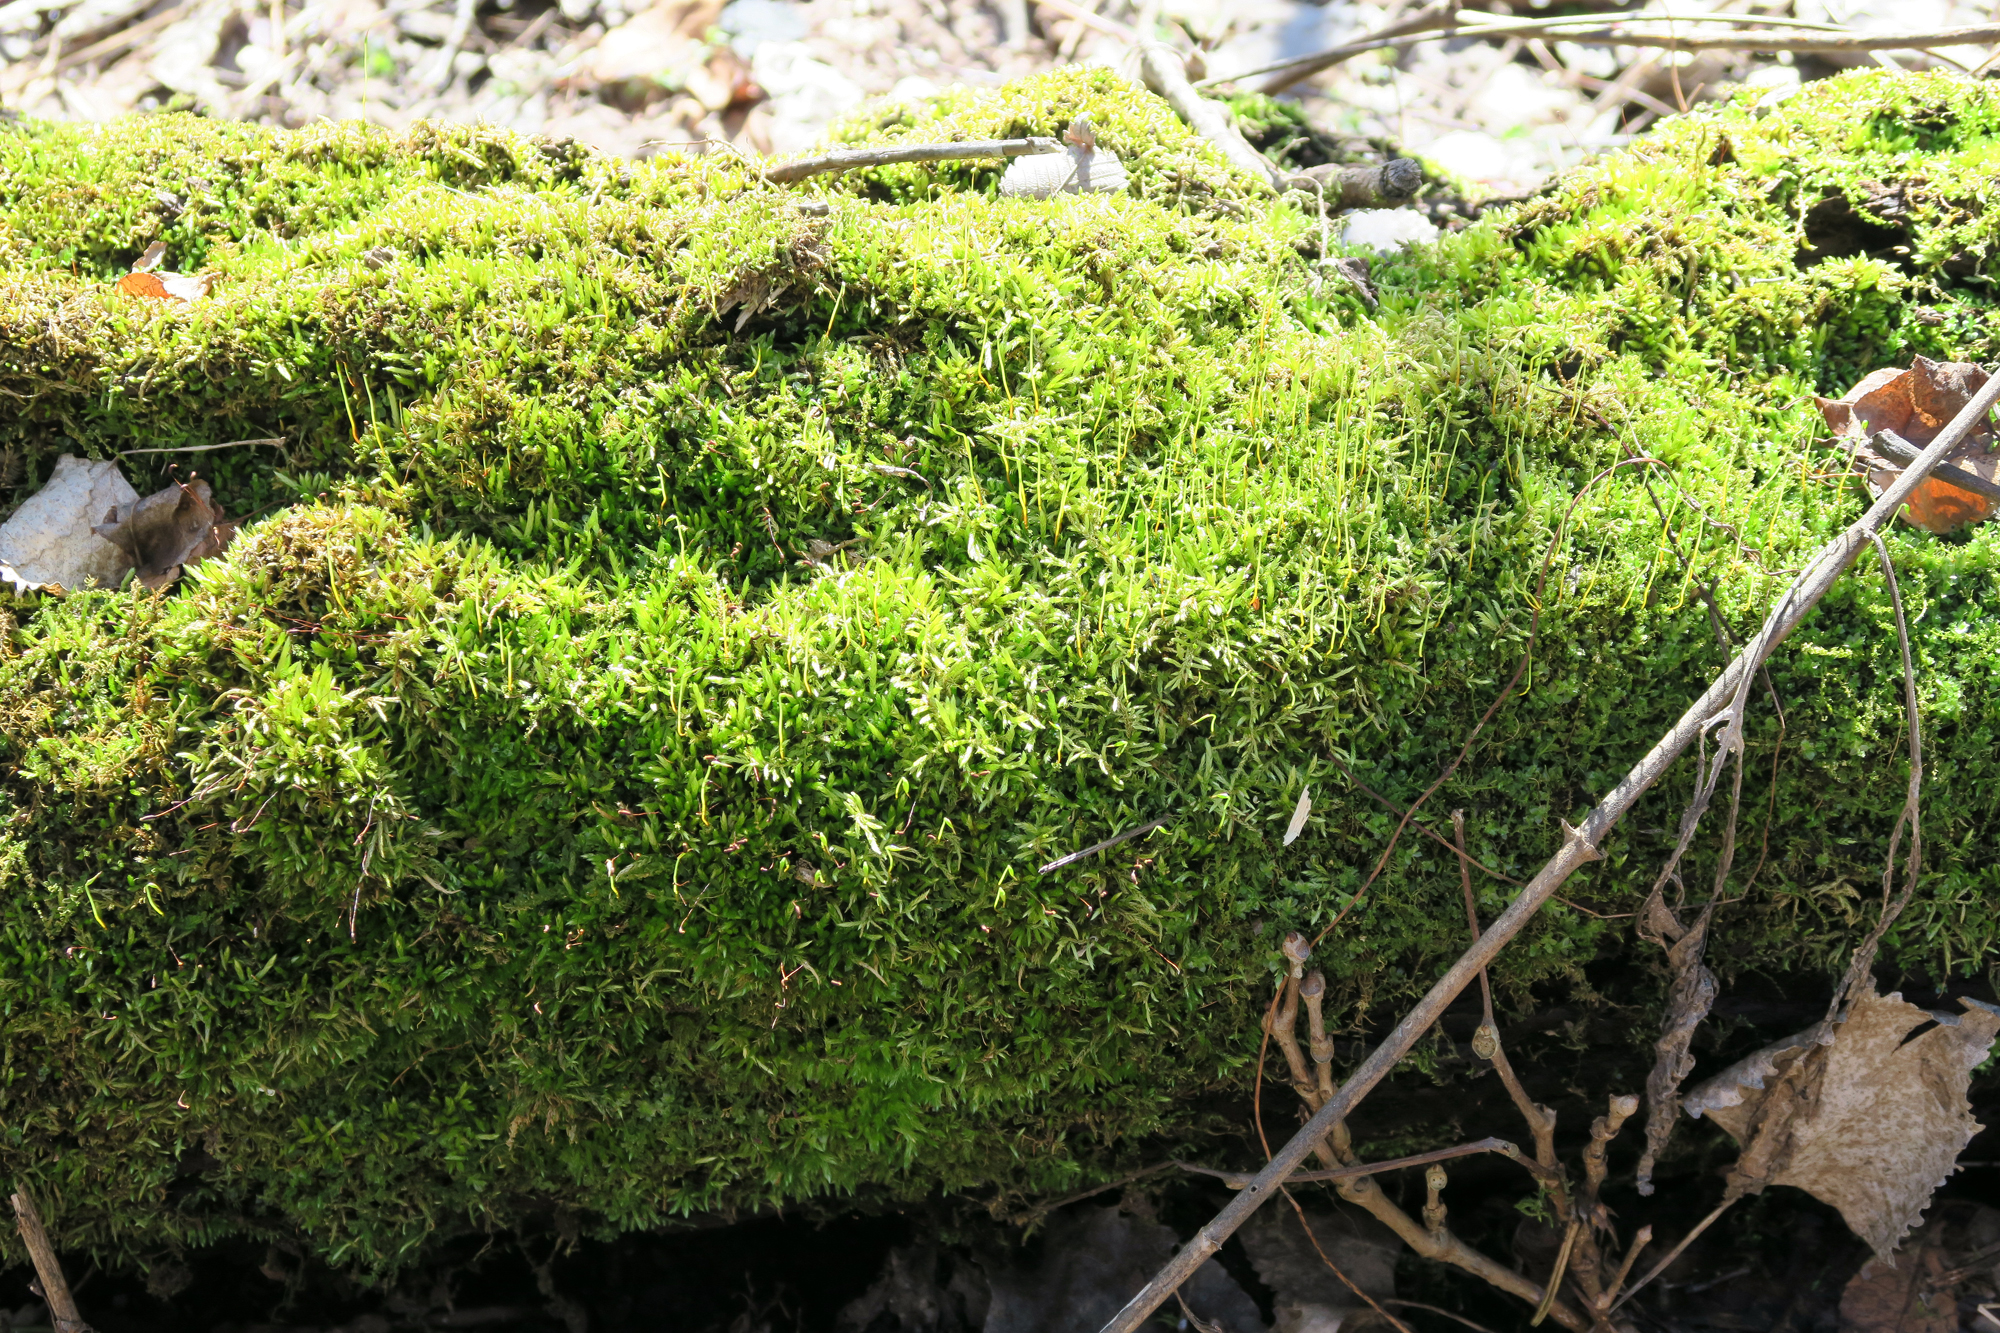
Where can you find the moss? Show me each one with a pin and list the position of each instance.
(517, 818)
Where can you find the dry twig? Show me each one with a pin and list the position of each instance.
(847, 159)
(48, 1270)
(1106, 845)
(1166, 74)
(1580, 846)
(1769, 35)
(1238, 1179)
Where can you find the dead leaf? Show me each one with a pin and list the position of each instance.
(1881, 1114)
(167, 530)
(49, 543)
(1916, 404)
(1082, 166)
(143, 281)
(665, 40)
(1689, 999)
(1300, 813)
(1915, 1295)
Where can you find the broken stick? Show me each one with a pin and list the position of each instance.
(62, 1306)
(846, 159)
(1166, 74)
(1588, 30)
(1394, 182)
(1580, 846)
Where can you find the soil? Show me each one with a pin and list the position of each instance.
(1782, 1262)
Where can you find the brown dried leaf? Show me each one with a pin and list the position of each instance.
(1916, 404)
(48, 543)
(1881, 1115)
(667, 39)
(1913, 1296)
(167, 530)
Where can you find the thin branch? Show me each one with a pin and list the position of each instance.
(1345, 1279)
(1487, 1046)
(1911, 814)
(1424, 829)
(1586, 30)
(1106, 845)
(1639, 1242)
(1487, 1024)
(1675, 1252)
(1428, 19)
(1166, 74)
(1041, 1210)
(1091, 19)
(1580, 846)
(847, 159)
(55, 1290)
(1556, 1275)
(1901, 452)
(1238, 1179)
(203, 448)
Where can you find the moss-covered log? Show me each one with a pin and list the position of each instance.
(531, 810)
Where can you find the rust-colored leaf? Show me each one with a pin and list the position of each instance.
(136, 283)
(1916, 404)
(142, 281)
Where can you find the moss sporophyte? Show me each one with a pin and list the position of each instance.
(609, 768)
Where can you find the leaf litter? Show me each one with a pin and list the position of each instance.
(87, 527)
(1891, 413)
(1880, 1115)
(168, 530)
(162, 285)
(50, 544)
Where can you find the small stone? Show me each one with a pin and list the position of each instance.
(1386, 230)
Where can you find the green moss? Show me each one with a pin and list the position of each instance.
(514, 818)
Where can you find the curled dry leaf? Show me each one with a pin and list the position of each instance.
(1082, 167)
(49, 545)
(167, 530)
(1688, 1002)
(1881, 1114)
(161, 286)
(1916, 404)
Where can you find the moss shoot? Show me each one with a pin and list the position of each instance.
(530, 811)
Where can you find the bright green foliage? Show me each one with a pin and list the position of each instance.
(520, 816)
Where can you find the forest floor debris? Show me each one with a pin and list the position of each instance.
(770, 76)
(87, 528)
(296, 580)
